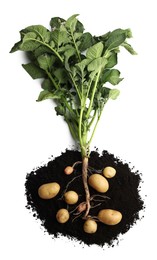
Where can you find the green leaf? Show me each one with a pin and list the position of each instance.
(61, 75)
(29, 35)
(60, 110)
(116, 38)
(65, 48)
(79, 27)
(129, 48)
(52, 44)
(103, 37)
(33, 70)
(40, 31)
(97, 64)
(69, 53)
(128, 33)
(41, 50)
(77, 35)
(47, 85)
(29, 43)
(86, 41)
(81, 65)
(45, 61)
(112, 76)
(71, 22)
(95, 51)
(112, 60)
(56, 22)
(16, 47)
(114, 93)
(105, 92)
(45, 94)
(59, 37)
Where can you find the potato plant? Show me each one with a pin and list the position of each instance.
(78, 72)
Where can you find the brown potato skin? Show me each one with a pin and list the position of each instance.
(48, 190)
(109, 216)
(109, 172)
(98, 182)
(62, 216)
(90, 226)
(71, 197)
(68, 170)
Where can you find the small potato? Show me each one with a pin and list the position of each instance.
(90, 226)
(68, 170)
(62, 216)
(109, 216)
(98, 182)
(48, 190)
(109, 172)
(71, 197)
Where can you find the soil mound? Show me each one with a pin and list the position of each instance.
(123, 195)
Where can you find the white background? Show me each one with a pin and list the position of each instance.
(30, 132)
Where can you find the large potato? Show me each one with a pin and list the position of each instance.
(62, 216)
(98, 182)
(48, 190)
(109, 216)
(109, 172)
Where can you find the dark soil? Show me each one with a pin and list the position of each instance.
(123, 193)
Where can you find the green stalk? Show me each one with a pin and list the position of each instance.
(93, 132)
(52, 79)
(72, 128)
(93, 93)
(70, 109)
(75, 85)
(94, 129)
(80, 132)
(77, 51)
(92, 120)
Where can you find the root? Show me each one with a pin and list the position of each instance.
(102, 197)
(76, 163)
(77, 215)
(95, 206)
(91, 170)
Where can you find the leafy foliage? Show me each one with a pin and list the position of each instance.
(74, 66)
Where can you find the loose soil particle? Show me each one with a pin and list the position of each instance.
(123, 196)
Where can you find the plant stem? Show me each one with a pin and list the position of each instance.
(90, 140)
(72, 129)
(93, 93)
(77, 51)
(85, 183)
(75, 85)
(52, 79)
(92, 120)
(80, 130)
